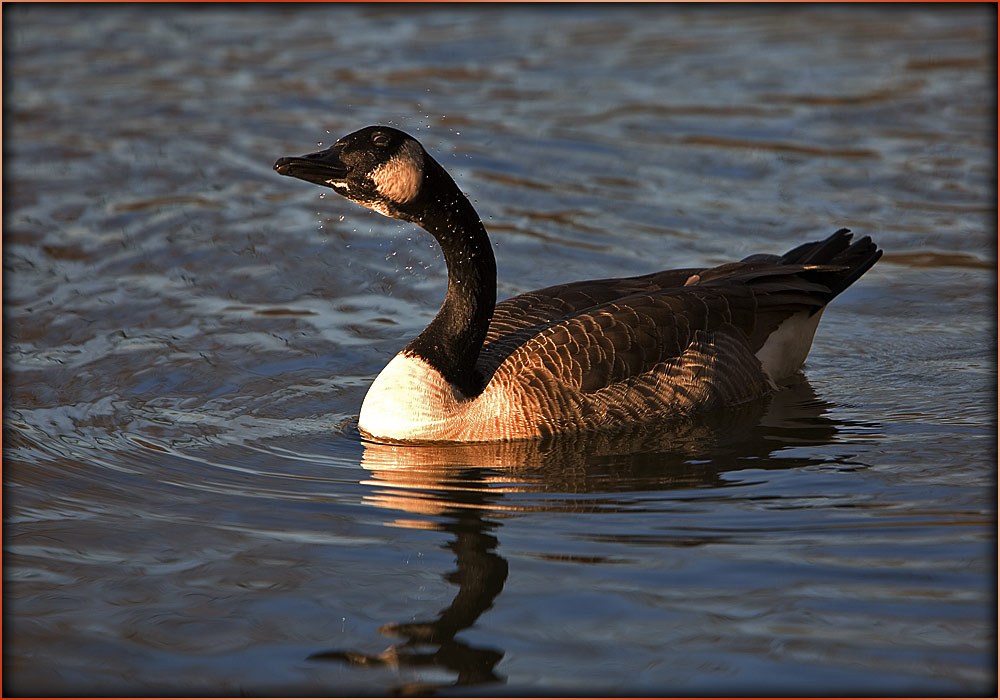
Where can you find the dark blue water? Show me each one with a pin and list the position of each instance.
(189, 508)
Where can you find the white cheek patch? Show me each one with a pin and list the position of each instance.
(399, 179)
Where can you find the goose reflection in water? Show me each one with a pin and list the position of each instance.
(466, 489)
(480, 576)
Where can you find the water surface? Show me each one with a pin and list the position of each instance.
(189, 508)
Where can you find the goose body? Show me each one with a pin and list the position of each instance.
(580, 356)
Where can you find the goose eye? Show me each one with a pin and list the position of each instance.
(381, 140)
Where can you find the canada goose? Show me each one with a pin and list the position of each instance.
(578, 356)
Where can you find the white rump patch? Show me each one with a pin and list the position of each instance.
(786, 348)
(399, 179)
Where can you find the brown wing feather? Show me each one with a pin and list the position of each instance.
(601, 343)
(520, 318)
(611, 342)
(561, 301)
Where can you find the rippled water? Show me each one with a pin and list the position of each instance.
(188, 338)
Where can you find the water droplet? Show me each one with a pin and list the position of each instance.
(322, 195)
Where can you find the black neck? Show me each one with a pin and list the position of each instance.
(452, 341)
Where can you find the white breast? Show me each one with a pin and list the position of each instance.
(409, 400)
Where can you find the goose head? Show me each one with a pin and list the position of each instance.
(378, 167)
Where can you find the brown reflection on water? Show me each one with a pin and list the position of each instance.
(464, 490)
